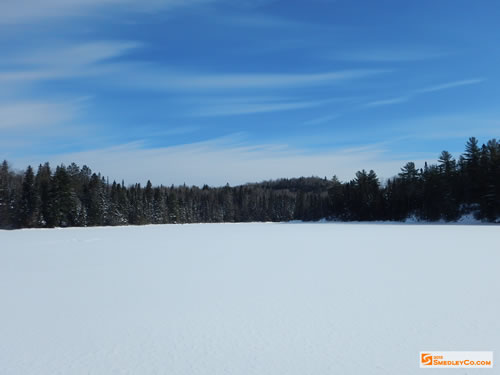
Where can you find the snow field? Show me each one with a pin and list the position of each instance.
(246, 298)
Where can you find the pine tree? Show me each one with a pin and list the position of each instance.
(448, 187)
(95, 201)
(42, 185)
(5, 196)
(29, 201)
(490, 186)
(472, 157)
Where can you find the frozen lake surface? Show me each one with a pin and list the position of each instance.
(246, 298)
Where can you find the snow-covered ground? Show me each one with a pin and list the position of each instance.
(246, 298)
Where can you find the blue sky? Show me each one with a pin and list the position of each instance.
(216, 91)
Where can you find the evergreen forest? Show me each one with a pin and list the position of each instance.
(73, 196)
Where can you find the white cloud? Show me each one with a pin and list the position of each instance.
(241, 106)
(450, 85)
(224, 161)
(322, 120)
(20, 116)
(26, 11)
(64, 61)
(193, 81)
(395, 54)
(258, 20)
(431, 89)
(378, 103)
(75, 54)
(95, 59)
(28, 75)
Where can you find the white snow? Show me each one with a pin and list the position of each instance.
(246, 298)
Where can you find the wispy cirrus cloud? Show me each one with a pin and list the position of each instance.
(246, 106)
(259, 21)
(96, 58)
(25, 11)
(322, 120)
(21, 116)
(75, 54)
(426, 90)
(378, 103)
(51, 124)
(450, 85)
(194, 81)
(63, 61)
(391, 54)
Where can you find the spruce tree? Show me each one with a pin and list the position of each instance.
(29, 201)
(5, 196)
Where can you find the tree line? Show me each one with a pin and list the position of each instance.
(70, 196)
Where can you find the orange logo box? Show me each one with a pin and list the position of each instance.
(426, 359)
(431, 359)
